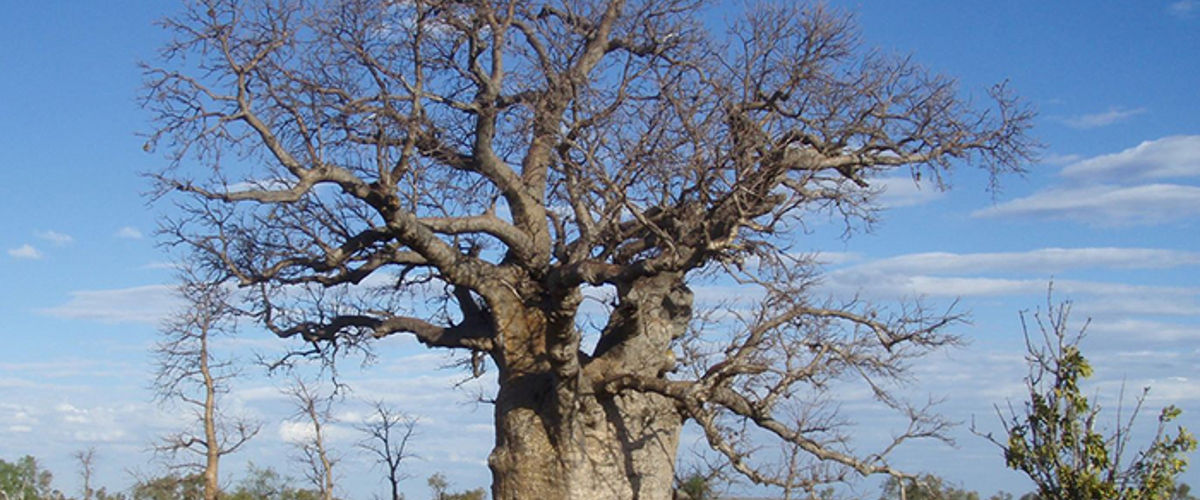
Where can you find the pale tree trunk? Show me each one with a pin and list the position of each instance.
(212, 450)
(559, 438)
(324, 463)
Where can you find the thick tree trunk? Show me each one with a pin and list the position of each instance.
(612, 448)
(559, 438)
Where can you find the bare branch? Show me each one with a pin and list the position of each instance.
(387, 432)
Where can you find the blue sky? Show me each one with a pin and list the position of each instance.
(1110, 214)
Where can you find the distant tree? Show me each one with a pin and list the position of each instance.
(387, 432)
(316, 410)
(87, 467)
(924, 487)
(1054, 439)
(190, 374)
(701, 481)
(1182, 492)
(171, 486)
(103, 494)
(466, 172)
(25, 479)
(694, 486)
(262, 483)
(441, 490)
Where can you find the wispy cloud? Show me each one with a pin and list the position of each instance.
(1132, 328)
(144, 304)
(25, 251)
(904, 191)
(1097, 120)
(299, 431)
(55, 237)
(1105, 205)
(1169, 157)
(1184, 9)
(1040, 261)
(1103, 190)
(17, 418)
(1059, 159)
(129, 233)
(90, 424)
(940, 275)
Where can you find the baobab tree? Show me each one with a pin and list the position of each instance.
(466, 172)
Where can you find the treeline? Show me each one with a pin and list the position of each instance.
(26, 479)
(1053, 440)
(930, 487)
(696, 486)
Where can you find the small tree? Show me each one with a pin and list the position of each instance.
(265, 483)
(1182, 492)
(313, 451)
(702, 481)
(26, 480)
(1055, 442)
(694, 486)
(87, 467)
(441, 490)
(170, 487)
(189, 373)
(925, 487)
(387, 433)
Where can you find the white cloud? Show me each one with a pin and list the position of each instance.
(55, 237)
(837, 258)
(1097, 120)
(129, 233)
(1105, 205)
(72, 414)
(942, 275)
(15, 383)
(25, 251)
(1113, 302)
(97, 423)
(95, 435)
(1041, 261)
(143, 304)
(904, 191)
(1103, 190)
(295, 432)
(881, 285)
(1184, 9)
(17, 415)
(301, 431)
(1059, 159)
(1169, 157)
(1142, 330)
(20, 429)
(57, 368)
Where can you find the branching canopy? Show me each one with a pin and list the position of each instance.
(439, 167)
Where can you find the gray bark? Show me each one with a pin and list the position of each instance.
(558, 438)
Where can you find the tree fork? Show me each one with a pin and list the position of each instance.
(559, 437)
